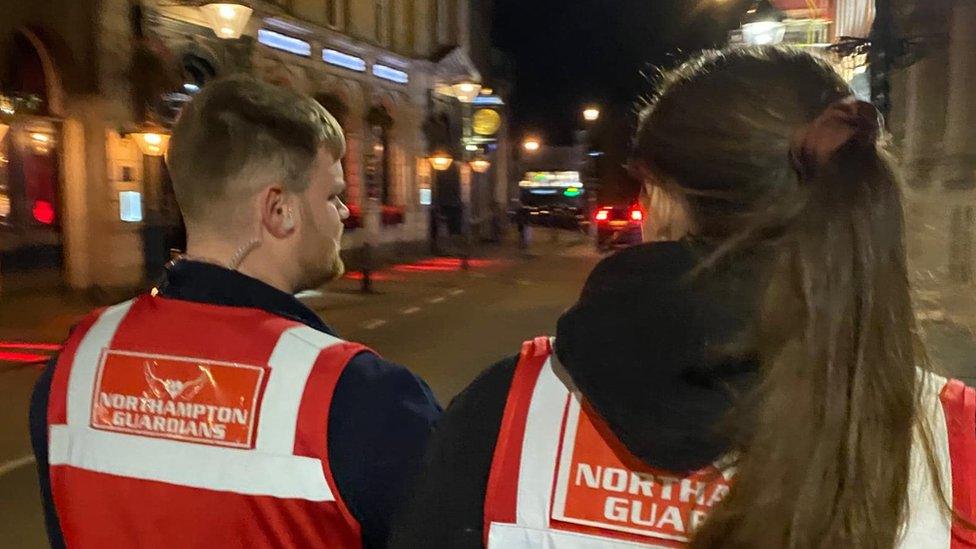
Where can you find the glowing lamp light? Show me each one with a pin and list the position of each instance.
(440, 161)
(43, 212)
(480, 165)
(151, 143)
(591, 114)
(602, 215)
(227, 20)
(40, 142)
(636, 215)
(572, 192)
(531, 144)
(466, 92)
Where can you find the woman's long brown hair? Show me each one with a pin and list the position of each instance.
(824, 449)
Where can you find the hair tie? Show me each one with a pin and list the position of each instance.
(842, 122)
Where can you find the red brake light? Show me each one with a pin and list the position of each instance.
(636, 215)
(602, 215)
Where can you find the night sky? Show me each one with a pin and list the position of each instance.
(567, 53)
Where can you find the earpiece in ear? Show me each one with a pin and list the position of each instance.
(289, 222)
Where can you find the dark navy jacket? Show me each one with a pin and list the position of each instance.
(379, 423)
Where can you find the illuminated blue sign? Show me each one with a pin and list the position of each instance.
(344, 60)
(281, 42)
(488, 100)
(391, 74)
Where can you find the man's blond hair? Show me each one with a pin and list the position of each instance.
(239, 135)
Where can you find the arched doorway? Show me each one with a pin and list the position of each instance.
(337, 107)
(380, 123)
(31, 231)
(346, 101)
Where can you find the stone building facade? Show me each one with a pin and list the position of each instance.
(101, 70)
(934, 125)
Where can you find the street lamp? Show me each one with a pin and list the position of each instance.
(466, 91)
(531, 144)
(591, 114)
(480, 164)
(763, 25)
(440, 160)
(227, 20)
(152, 140)
(38, 137)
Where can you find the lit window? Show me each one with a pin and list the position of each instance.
(391, 74)
(344, 60)
(130, 206)
(282, 42)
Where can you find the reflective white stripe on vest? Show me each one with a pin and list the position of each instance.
(291, 363)
(193, 465)
(86, 361)
(542, 433)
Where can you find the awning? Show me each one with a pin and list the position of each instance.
(854, 18)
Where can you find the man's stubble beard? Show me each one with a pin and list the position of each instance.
(316, 278)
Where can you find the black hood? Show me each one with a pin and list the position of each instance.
(661, 354)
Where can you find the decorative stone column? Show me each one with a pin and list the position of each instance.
(959, 168)
(925, 105)
(959, 163)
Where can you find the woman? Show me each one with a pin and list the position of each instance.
(751, 379)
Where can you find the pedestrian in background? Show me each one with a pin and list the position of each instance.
(219, 411)
(754, 381)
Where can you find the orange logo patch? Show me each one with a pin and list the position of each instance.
(177, 398)
(599, 484)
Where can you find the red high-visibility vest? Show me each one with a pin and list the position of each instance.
(180, 424)
(560, 479)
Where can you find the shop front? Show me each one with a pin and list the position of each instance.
(31, 228)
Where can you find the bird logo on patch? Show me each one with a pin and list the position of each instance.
(175, 388)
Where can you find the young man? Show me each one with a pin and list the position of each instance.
(219, 411)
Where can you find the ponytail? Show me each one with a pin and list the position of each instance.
(782, 169)
(827, 462)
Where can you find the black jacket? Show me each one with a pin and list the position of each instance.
(649, 345)
(380, 417)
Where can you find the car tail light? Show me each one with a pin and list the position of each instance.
(602, 215)
(636, 215)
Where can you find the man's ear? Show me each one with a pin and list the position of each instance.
(277, 216)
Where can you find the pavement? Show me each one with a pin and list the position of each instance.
(445, 323)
